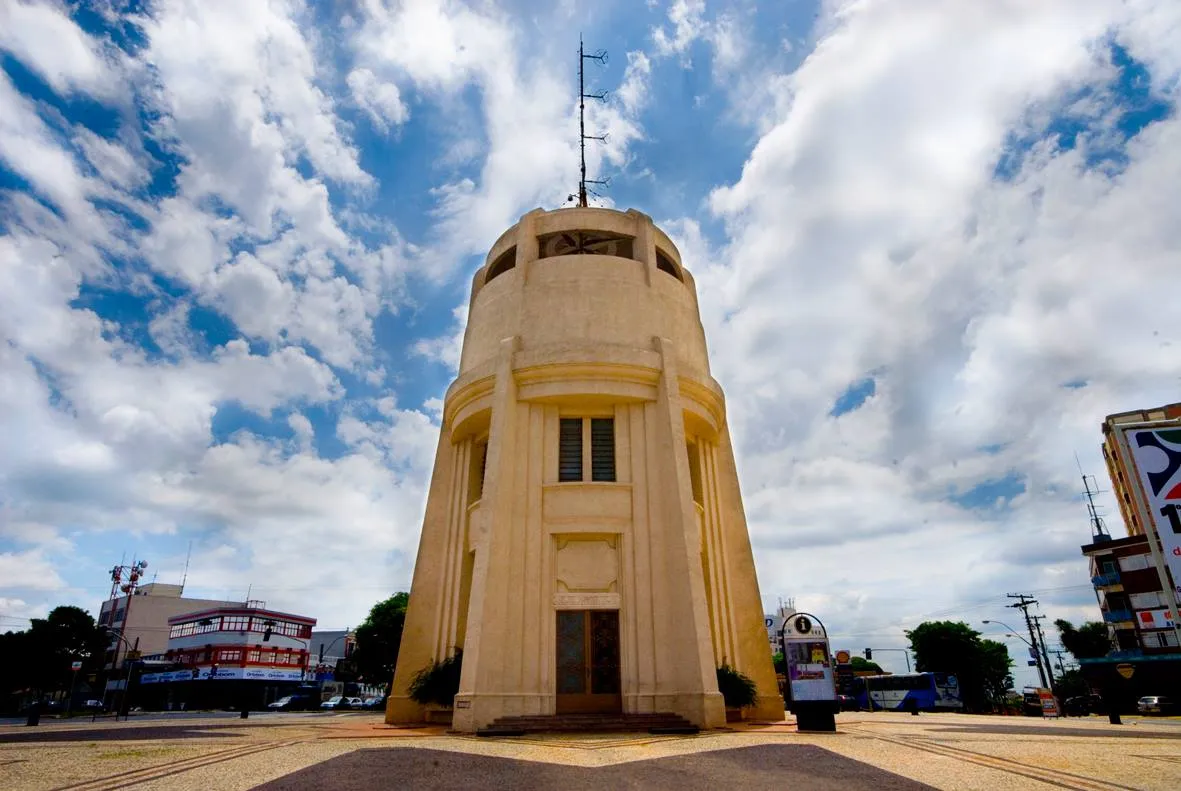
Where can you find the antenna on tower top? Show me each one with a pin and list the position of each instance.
(185, 577)
(599, 57)
(1098, 529)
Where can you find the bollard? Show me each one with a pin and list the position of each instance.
(245, 713)
(34, 714)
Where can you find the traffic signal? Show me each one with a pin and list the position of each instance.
(869, 653)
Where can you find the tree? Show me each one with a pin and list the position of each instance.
(1089, 641)
(981, 666)
(39, 658)
(378, 639)
(861, 664)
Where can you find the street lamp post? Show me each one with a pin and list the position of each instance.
(1036, 654)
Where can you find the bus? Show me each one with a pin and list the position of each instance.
(909, 691)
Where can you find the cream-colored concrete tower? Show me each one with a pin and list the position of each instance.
(584, 543)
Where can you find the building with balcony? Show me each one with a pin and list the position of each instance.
(1131, 595)
(141, 619)
(584, 544)
(230, 656)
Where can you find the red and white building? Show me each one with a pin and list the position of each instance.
(237, 642)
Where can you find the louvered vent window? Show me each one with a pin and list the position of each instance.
(570, 450)
(602, 449)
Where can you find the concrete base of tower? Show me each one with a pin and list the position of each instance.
(770, 708)
(401, 709)
(703, 709)
(479, 710)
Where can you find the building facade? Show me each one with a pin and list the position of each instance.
(1132, 596)
(1122, 479)
(584, 545)
(232, 655)
(141, 620)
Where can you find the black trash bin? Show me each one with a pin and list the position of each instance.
(34, 714)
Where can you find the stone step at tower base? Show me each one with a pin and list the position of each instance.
(656, 722)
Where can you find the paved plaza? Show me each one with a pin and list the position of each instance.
(357, 752)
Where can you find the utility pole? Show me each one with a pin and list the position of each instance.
(1037, 622)
(1023, 602)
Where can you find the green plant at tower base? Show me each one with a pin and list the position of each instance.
(738, 690)
(438, 682)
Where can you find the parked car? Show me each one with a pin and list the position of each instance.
(1083, 705)
(93, 705)
(341, 702)
(291, 703)
(1154, 704)
(847, 702)
(374, 704)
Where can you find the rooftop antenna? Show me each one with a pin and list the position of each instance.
(1098, 529)
(185, 576)
(599, 57)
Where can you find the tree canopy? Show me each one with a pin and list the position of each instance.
(378, 639)
(1089, 641)
(38, 659)
(982, 666)
(860, 663)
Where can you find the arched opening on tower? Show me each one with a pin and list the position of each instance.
(503, 263)
(665, 264)
(584, 243)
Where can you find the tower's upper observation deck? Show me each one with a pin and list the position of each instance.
(583, 278)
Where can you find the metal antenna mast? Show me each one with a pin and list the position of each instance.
(601, 58)
(1097, 527)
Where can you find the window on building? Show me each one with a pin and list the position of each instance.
(575, 456)
(478, 468)
(230, 655)
(1164, 639)
(254, 655)
(1107, 567)
(602, 431)
(236, 623)
(206, 625)
(665, 264)
(584, 243)
(503, 263)
(570, 449)
(1134, 563)
(1147, 601)
(118, 616)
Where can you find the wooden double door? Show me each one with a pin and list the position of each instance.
(588, 662)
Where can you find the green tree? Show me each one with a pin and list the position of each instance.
(861, 664)
(1089, 641)
(982, 666)
(378, 639)
(38, 659)
(1071, 684)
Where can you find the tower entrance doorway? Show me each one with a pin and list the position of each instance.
(588, 662)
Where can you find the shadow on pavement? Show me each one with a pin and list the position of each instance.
(106, 734)
(769, 766)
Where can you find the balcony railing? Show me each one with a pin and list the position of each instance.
(1117, 616)
(1110, 578)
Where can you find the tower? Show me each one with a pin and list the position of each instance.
(584, 542)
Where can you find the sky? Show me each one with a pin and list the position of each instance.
(935, 243)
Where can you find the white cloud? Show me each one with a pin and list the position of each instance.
(46, 40)
(868, 236)
(380, 100)
(686, 18)
(28, 570)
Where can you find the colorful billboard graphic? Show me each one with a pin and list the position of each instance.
(1157, 457)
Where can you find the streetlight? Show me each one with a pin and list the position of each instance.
(1033, 650)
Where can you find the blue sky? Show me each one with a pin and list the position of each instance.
(236, 242)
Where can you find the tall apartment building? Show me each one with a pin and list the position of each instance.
(1122, 478)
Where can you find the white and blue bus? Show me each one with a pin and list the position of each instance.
(909, 692)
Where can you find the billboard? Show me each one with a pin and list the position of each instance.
(249, 673)
(1156, 455)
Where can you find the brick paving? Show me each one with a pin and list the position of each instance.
(880, 751)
